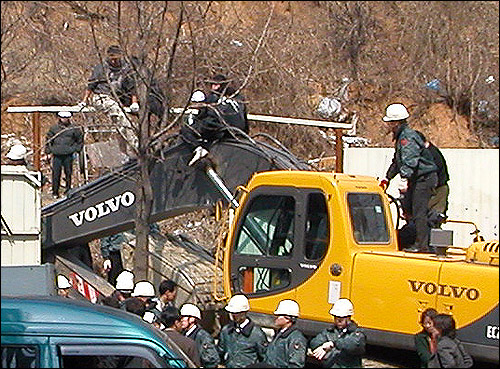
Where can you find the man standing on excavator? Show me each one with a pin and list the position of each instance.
(414, 163)
(110, 86)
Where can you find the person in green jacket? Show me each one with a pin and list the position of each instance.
(423, 339)
(342, 345)
(288, 347)
(418, 172)
(241, 342)
(190, 317)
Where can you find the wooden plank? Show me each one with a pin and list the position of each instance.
(252, 117)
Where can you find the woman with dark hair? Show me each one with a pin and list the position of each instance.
(423, 339)
(450, 352)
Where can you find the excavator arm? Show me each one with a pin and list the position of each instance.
(107, 205)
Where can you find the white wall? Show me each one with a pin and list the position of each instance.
(474, 185)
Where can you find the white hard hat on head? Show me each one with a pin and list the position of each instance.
(198, 96)
(238, 304)
(17, 152)
(125, 281)
(62, 282)
(395, 112)
(342, 308)
(190, 310)
(143, 289)
(287, 307)
(64, 114)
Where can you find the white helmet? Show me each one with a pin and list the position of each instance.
(395, 112)
(190, 310)
(287, 307)
(125, 281)
(342, 308)
(143, 289)
(63, 282)
(17, 152)
(238, 304)
(198, 96)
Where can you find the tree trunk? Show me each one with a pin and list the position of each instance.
(144, 193)
(142, 221)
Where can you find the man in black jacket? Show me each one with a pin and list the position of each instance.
(63, 140)
(438, 203)
(222, 113)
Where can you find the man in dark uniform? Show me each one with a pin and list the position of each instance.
(241, 341)
(62, 141)
(205, 343)
(414, 163)
(288, 347)
(342, 345)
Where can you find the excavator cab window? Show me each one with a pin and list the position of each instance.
(280, 239)
(260, 279)
(268, 228)
(368, 218)
(317, 228)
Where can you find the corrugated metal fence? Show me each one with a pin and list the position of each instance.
(474, 185)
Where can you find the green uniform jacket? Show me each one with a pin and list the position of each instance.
(411, 159)
(241, 347)
(287, 349)
(206, 347)
(349, 346)
(423, 348)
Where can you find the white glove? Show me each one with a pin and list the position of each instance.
(327, 345)
(107, 265)
(199, 153)
(403, 185)
(82, 104)
(320, 352)
(134, 107)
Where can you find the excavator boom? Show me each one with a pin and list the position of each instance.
(107, 205)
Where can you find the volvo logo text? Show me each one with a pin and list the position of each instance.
(444, 290)
(103, 208)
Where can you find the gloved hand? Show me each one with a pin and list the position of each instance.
(199, 153)
(107, 265)
(320, 352)
(134, 107)
(82, 104)
(403, 185)
(384, 183)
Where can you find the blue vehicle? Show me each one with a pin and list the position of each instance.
(56, 332)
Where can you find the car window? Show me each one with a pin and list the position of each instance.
(20, 356)
(111, 356)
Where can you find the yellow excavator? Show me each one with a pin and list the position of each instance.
(315, 237)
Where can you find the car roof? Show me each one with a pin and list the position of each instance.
(60, 316)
